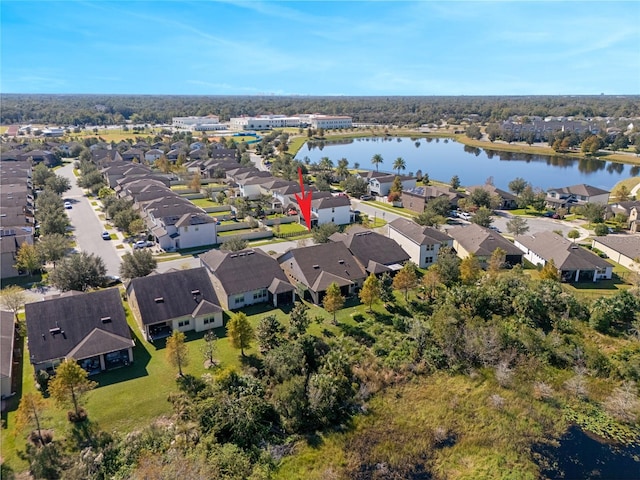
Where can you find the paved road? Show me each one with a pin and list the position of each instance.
(540, 225)
(87, 226)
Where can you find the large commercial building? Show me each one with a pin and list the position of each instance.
(267, 122)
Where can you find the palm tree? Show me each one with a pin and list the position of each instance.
(399, 164)
(342, 170)
(377, 160)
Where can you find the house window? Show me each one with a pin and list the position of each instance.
(430, 248)
(428, 260)
(238, 299)
(183, 323)
(259, 294)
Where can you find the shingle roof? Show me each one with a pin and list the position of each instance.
(580, 189)
(482, 241)
(243, 271)
(319, 262)
(77, 325)
(418, 233)
(627, 245)
(368, 246)
(565, 254)
(7, 332)
(169, 295)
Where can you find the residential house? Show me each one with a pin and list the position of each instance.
(482, 242)
(312, 269)
(181, 300)
(40, 156)
(247, 277)
(417, 198)
(90, 327)
(152, 155)
(376, 253)
(116, 170)
(622, 249)
(630, 209)
(7, 338)
(132, 154)
(505, 200)
(380, 183)
(573, 262)
(421, 243)
(104, 156)
(567, 197)
(11, 239)
(330, 209)
(177, 223)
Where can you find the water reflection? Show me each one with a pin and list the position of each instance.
(443, 159)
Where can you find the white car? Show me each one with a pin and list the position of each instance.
(67, 205)
(465, 215)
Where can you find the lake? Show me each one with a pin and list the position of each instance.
(442, 158)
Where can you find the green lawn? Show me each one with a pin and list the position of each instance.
(205, 202)
(291, 228)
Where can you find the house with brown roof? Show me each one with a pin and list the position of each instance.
(574, 263)
(417, 198)
(376, 253)
(482, 242)
(181, 300)
(506, 200)
(312, 269)
(622, 249)
(420, 242)
(247, 277)
(90, 327)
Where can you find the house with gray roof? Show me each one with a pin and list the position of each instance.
(574, 263)
(312, 269)
(417, 198)
(506, 200)
(380, 183)
(575, 195)
(7, 337)
(181, 300)
(89, 327)
(247, 277)
(376, 253)
(421, 243)
(622, 249)
(482, 242)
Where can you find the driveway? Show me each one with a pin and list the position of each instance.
(540, 224)
(87, 226)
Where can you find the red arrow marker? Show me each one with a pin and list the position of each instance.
(304, 201)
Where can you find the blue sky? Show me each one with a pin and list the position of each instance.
(320, 48)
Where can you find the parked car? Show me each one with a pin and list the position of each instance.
(111, 280)
(67, 205)
(106, 235)
(465, 215)
(142, 244)
(366, 197)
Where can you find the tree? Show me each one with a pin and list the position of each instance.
(208, 348)
(480, 198)
(455, 182)
(31, 410)
(240, 331)
(13, 298)
(298, 320)
(139, 263)
(406, 279)
(70, 384)
(321, 233)
(517, 226)
(377, 160)
(482, 217)
(79, 271)
(53, 247)
(54, 222)
(550, 271)
(601, 230)
(58, 184)
(497, 260)
(269, 333)
(399, 164)
(447, 266)
(517, 185)
(432, 282)
(370, 291)
(386, 288)
(593, 212)
(622, 193)
(177, 351)
(354, 186)
(470, 269)
(123, 219)
(40, 174)
(28, 258)
(573, 235)
(196, 182)
(333, 299)
(234, 244)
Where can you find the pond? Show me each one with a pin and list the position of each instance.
(442, 158)
(578, 455)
